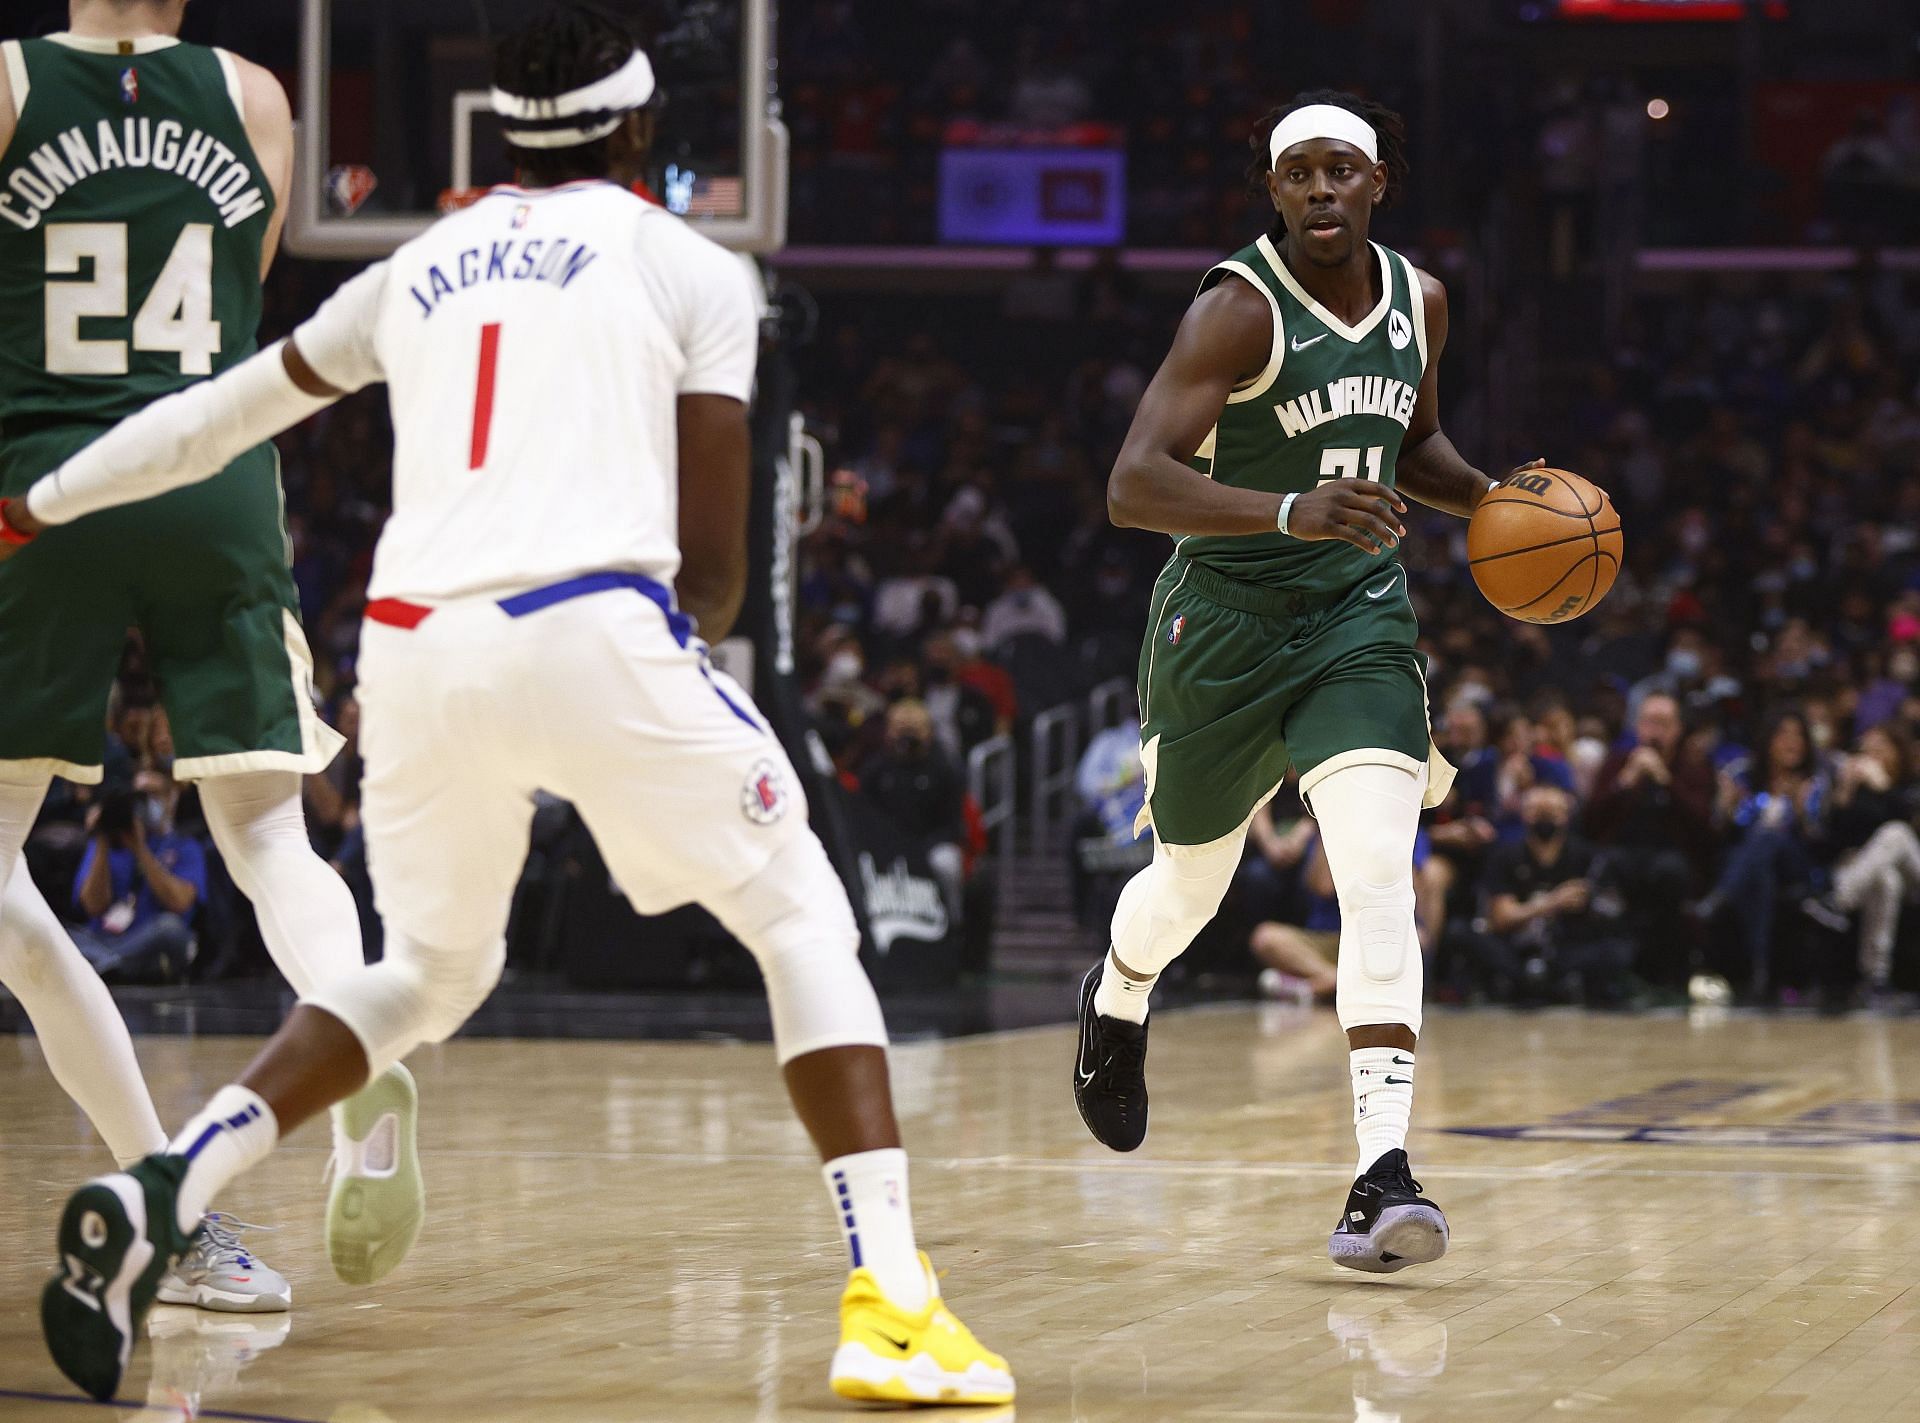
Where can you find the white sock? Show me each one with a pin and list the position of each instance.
(1118, 996)
(233, 1133)
(1382, 1101)
(869, 1194)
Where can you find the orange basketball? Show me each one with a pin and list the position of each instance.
(1544, 545)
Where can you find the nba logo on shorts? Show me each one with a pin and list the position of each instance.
(129, 85)
(1399, 330)
(763, 799)
(1179, 626)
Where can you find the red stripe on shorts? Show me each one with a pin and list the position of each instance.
(397, 613)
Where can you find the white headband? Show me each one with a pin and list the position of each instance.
(596, 109)
(1323, 121)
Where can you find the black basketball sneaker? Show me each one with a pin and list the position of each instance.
(1110, 1073)
(1388, 1224)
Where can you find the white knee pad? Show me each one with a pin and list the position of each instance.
(416, 994)
(794, 917)
(1369, 815)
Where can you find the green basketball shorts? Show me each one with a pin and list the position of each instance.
(202, 572)
(1238, 681)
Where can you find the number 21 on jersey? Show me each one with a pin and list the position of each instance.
(1345, 464)
(176, 316)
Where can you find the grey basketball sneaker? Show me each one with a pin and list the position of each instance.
(221, 1274)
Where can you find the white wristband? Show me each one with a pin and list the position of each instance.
(1286, 510)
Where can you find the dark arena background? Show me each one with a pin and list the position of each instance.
(1670, 1084)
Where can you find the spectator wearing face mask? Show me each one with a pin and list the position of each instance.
(1545, 934)
(1652, 810)
(140, 882)
(916, 784)
(1876, 869)
(1771, 809)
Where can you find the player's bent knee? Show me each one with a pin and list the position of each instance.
(796, 921)
(416, 994)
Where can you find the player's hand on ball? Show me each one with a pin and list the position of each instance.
(1363, 512)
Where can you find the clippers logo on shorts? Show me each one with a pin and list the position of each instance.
(763, 799)
(1399, 330)
(1179, 626)
(129, 85)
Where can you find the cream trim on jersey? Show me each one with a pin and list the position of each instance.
(95, 44)
(1278, 354)
(1233, 837)
(319, 743)
(1417, 299)
(232, 72)
(16, 62)
(1362, 756)
(37, 767)
(1332, 322)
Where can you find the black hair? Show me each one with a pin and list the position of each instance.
(562, 48)
(1388, 125)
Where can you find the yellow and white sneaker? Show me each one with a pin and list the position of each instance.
(377, 1204)
(893, 1356)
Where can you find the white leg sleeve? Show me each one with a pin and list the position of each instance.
(80, 1031)
(1369, 815)
(1165, 905)
(416, 994)
(795, 919)
(306, 911)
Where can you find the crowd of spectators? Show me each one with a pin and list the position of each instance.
(1708, 778)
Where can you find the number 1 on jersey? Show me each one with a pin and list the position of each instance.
(483, 394)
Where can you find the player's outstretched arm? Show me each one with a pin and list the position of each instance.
(185, 438)
(197, 432)
(1430, 468)
(1225, 338)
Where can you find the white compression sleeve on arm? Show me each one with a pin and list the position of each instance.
(187, 437)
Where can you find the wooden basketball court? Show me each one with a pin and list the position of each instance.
(1653, 1219)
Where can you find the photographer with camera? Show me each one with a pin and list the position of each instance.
(140, 883)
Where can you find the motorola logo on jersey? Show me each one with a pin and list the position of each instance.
(1399, 330)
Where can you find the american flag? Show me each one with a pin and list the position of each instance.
(716, 197)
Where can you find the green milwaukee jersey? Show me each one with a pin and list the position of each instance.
(132, 213)
(1332, 403)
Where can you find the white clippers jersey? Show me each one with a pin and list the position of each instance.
(533, 347)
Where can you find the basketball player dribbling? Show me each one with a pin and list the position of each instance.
(1299, 402)
(142, 186)
(569, 367)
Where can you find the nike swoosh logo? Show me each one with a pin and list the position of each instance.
(900, 1344)
(1382, 592)
(1300, 345)
(1403, 1062)
(1398, 1081)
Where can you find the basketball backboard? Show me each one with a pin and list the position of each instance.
(394, 125)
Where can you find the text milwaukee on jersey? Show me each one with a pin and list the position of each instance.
(165, 144)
